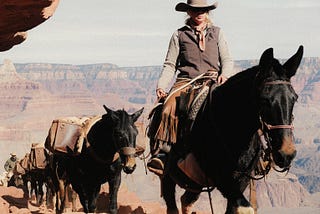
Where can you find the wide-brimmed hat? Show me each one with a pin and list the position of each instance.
(13, 154)
(195, 4)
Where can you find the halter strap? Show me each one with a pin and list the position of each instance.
(276, 82)
(271, 127)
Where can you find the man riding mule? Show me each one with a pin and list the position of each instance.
(198, 52)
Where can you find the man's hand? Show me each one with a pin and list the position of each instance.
(160, 93)
(221, 79)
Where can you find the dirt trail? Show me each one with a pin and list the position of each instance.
(12, 201)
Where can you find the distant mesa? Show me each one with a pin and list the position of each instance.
(17, 17)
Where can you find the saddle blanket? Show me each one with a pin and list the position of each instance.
(68, 134)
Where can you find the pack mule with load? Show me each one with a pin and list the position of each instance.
(31, 172)
(108, 146)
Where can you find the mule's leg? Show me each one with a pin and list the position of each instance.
(236, 207)
(40, 192)
(25, 187)
(49, 196)
(233, 191)
(30, 190)
(187, 201)
(33, 188)
(83, 192)
(84, 202)
(114, 184)
(169, 190)
(73, 196)
(61, 196)
(93, 198)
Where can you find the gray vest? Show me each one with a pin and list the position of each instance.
(192, 61)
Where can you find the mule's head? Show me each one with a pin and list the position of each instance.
(276, 101)
(124, 136)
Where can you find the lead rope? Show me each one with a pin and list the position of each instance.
(210, 199)
(144, 163)
(209, 194)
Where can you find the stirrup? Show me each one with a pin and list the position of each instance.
(156, 166)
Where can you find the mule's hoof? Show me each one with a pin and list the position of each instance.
(245, 210)
(113, 211)
(156, 166)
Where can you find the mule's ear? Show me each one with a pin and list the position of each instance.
(292, 64)
(109, 111)
(266, 59)
(137, 114)
(265, 65)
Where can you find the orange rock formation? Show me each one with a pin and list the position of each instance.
(17, 17)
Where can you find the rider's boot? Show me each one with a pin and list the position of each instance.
(156, 162)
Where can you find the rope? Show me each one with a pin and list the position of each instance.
(144, 163)
(210, 199)
(183, 86)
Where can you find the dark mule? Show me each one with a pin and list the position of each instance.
(259, 98)
(30, 177)
(110, 146)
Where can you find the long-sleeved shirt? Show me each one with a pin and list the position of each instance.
(171, 63)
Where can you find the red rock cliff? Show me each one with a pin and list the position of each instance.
(17, 17)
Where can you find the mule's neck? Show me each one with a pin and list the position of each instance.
(101, 140)
(235, 106)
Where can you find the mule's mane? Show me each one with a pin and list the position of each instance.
(228, 106)
(238, 88)
(243, 76)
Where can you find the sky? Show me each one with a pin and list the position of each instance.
(137, 33)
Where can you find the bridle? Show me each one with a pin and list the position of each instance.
(125, 150)
(266, 128)
(265, 141)
(272, 127)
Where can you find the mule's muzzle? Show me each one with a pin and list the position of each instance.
(286, 154)
(129, 163)
(283, 160)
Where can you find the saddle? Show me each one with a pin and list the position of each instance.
(188, 107)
